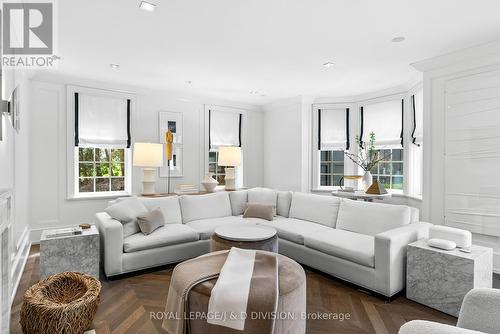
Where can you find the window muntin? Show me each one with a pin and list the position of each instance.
(389, 171)
(101, 170)
(331, 168)
(219, 172)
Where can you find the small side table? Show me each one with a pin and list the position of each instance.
(440, 279)
(360, 195)
(70, 253)
(246, 236)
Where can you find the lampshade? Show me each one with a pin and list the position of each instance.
(148, 155)
(229, 156)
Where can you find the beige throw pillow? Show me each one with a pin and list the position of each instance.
(258, 210)
(151, 221)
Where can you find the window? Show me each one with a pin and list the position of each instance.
(218, 171)
(101, 170)
(331, 168)
(389, 171)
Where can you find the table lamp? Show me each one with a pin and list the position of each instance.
(230, 157)
(149, 156)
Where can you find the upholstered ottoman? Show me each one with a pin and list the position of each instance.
(292, 301)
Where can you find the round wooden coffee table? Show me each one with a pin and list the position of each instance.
(246, 237)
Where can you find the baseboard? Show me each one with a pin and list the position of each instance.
(20, 261)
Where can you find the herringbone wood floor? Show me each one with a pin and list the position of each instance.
(126, 304)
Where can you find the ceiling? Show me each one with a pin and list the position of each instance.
(227, 48)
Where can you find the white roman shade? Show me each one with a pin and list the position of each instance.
(101, 121)
(224, 129)
(333, 129)
(385, 119)
(418, 118)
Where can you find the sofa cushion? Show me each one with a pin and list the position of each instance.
(371, 218)
(126, 212)
(238, 201)
(151, 221)
(258, 210)
(169, 206)
(315, 208)
(283, 203)
(206, 227)
(295, 229)
(195, 207)
(354, 247)
(263, 196)
(167, 235)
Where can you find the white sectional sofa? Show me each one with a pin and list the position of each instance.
(360, 242)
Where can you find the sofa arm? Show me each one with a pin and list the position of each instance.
(111, 235)
(481, 310)
(390, 256)
(429, 327)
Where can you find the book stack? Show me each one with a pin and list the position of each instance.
(185, 189)
(64, 232)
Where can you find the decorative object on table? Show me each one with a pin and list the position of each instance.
(209, 183)
(63, 232)
(367, 158)
(170, 121)
(230, 157)
(14, 110)
(355, 178)
(70, 253)
(169, 139)
(462, 238)
(246, 237)
(85, 226)
(376, 188)
(440, 279)
(186, 189)
(62, 303)
(149, 156)
(190, 283)
(442, 244)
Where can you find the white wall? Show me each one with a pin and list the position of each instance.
(286, 145)
(50, 206)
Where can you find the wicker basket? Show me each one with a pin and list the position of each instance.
(60, 304)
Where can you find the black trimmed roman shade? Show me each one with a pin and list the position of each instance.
(224, 129)
(385, 119)
(102, 121)
(333, 129)
(417, 104)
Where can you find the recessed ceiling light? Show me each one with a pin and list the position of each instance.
(328, 64)
(254, 92)
(398, 39)
(189, 82)
(114, 65)
(147, 6)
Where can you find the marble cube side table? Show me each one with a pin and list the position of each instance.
(70, 253)
(440, 279)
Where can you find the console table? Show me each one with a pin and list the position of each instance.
(440, 279)
(360, 195)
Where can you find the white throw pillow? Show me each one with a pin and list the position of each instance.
(283, 203)
(126, 212)
(169, 206)
(196, 207)
(319, 209)
(238, 201)
(371, 218)
(263, 196)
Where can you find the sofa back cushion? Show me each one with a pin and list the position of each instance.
(315, 208)
(126, 212)
(239, 201)
(371, 218)
(195, 207)
(169, 207)
(263, 196)
(283, 203)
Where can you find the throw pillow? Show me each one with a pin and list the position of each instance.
(127, 212)
(151, 221)
(258, 210)
(263, 196)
